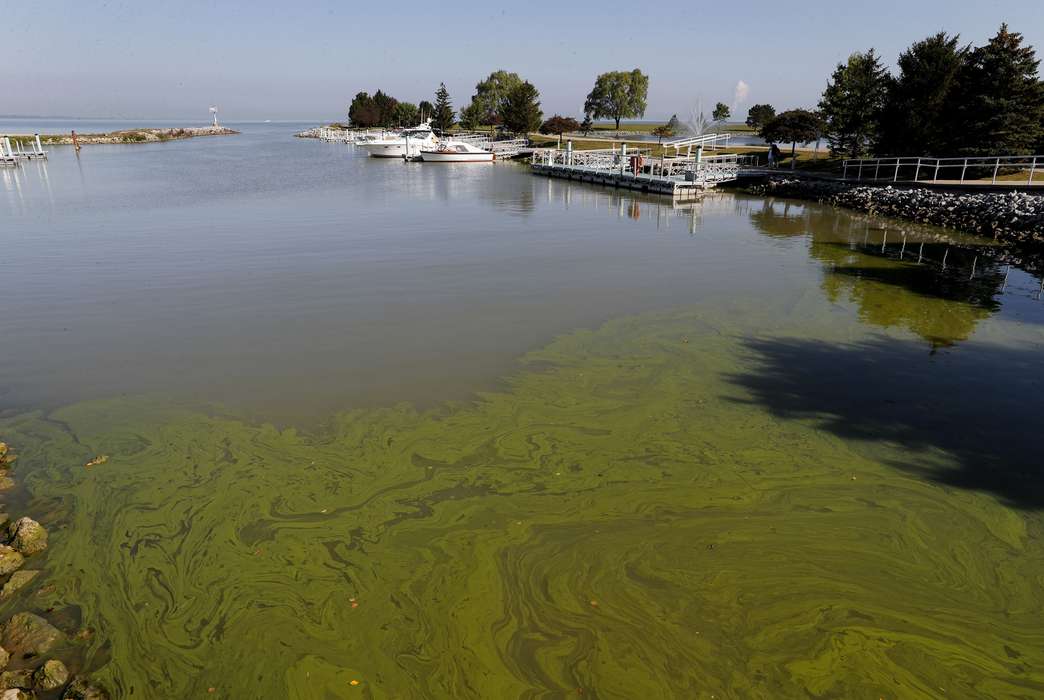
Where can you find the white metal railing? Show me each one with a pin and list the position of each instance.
(714, 140)
(639, 165)
(960, 170)
(19, 151)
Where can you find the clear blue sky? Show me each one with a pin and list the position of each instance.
(305, 59)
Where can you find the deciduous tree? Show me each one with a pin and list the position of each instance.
(521, 109)
(559, 125)
(793, 126)
(618, 95)
(405, 114)
(759, 115)
(721, 112)
(488, 102)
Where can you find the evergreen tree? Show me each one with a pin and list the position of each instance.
(999, 103)
(521, 109)
(673, 124)
(918, 118)
(759, 115)
(852, 104)
(587, 124)
(442, 112)
(721, 112)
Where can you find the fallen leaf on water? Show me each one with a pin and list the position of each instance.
(353, 682)
(100, 459)
(594, 603)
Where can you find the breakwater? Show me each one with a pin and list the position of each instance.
(1015, 216)
(134, 135)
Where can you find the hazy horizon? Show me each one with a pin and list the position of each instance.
(304, 63)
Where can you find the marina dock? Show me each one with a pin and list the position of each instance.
(685, 175)
(12, 153)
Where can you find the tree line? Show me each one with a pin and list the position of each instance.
(947, 99)
(505, 100)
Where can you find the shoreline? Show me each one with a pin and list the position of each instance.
(146, 135)
(1013, 217)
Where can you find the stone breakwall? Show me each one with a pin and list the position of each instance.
(1014, 216)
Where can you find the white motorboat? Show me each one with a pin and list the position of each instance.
(455, 152)
(408, 143)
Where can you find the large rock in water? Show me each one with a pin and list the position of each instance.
(4, 657)
(53, 674)
(26, 635)
(15, 694)
(18, 580)
(81, 689)
(10, 560)
(27, 536)
(22, 678)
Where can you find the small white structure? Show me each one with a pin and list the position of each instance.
(213, 113)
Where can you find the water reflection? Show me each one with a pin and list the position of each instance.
(937, 284)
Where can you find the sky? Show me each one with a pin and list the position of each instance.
(305, 59)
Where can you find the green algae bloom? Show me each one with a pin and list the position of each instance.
(628, 518)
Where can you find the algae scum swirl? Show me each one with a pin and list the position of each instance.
(626, 519)
(754, 448)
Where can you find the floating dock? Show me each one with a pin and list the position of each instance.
(681, 176)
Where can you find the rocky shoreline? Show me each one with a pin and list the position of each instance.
(133, 136)
(27, 638)
(1009, 216)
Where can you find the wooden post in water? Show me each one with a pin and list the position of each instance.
(974, 260)
(76, 141)
(920, 252)
(39, 148)
(945, 253)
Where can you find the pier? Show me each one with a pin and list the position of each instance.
(683, 176)
(11, 154)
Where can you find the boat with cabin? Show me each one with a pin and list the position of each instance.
(456, 152)
(407, 143)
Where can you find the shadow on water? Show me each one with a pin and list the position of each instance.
(968, 419)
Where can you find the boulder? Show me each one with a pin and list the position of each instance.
(18, 580)
(6, 482)
(10, 560)
(4, 657)
(53, 674)
(22, 678)
(15, 694)
(27, 536)
(26, 635)
(81, 689)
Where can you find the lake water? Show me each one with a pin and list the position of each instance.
(461, 431)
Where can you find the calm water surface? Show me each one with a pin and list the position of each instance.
(459, 431)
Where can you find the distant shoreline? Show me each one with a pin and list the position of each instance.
(149, 135)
